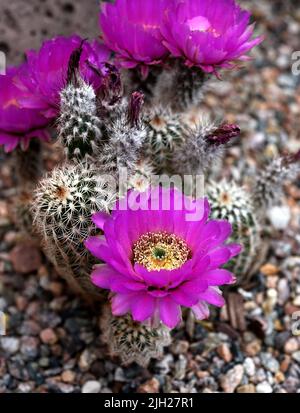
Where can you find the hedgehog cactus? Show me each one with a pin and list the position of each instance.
(62, 207)
(79, 126)
(133, 341)
(233, 203)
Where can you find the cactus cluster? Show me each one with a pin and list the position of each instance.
(105, 128)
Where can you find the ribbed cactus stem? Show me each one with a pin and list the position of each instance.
(62, 207)
(202, 145)
(233, 203)
(133, 341)
(180, 88)
(268, 186)
(79, 127)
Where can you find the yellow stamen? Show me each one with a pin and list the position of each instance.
(160, 251)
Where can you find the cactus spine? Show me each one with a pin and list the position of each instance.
(133, 341)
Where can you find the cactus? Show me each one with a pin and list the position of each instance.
(202, 146)
(126, 135)
(180, 87)
(165, 131)
(141, 178)
(269, 183)
(62, 208)
(79, 126)
(133, 341)
(233, 203)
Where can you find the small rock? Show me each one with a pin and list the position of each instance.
(68, 376)
(246, 388)
(91, 386)
(150, 386)
(10, 344)
(29, 347)
(296, 356)
(25, 258)
(279, 217)
(283, 291)
(179, 347)
(224, 352)
(291, 345)
(285, 364)
(253, 348)
(279, 377)
(249, 366)
(296, 301)
(269, 362)
(48, 336)
(269, 269)
(230, 381)
(264, 387)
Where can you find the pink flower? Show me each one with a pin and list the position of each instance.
(17, 125)
(131, 28)
(46, 72)
(209, 34)
(157, 260)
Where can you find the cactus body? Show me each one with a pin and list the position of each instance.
(133, 341)
(62, 207)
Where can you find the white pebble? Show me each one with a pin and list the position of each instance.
(91, 386)
(280, 217)
(264, 387)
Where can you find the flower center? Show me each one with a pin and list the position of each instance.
(201, 24)
(160, 251)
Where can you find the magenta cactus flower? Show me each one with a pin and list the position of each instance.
(17, 125)
(46, 72)
(209, 34)
(157, 259)
(131, 28)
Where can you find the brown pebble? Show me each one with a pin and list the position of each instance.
(253, 348)
(202, 374)
(269, 269)
(246, 388)
(68, 376)
(150, 386)
(48, 336)
(285, 364)
(25, 258)
(224, 352)
(56, 288)
(279, 377)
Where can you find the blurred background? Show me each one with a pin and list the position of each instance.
(54, 340)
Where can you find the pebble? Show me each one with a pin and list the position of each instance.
(68, 376)
(279, 217)
(10, 344)
(269, 269)
(224, 352)
(296, 301)
(246, 388)
(150, 386)
(230, 381)
(264, 387)
(91, 386)
(179, 347)
(283, 290)
(296, 356)
(25, 258)
(48, 336)
(291, 345)
(269, 362)
(29, 347)
(253, 348)
(249, 366)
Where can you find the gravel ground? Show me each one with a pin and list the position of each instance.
(54, 342)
